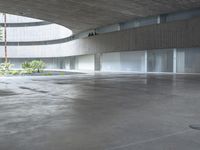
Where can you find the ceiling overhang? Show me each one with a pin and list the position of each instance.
(82, 15)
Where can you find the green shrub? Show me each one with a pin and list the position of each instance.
(33, 66)
(14, 72)
(37, 65)
(26, 65)
(22, 72)
(27, 68)
(26, 71)
(5, 68)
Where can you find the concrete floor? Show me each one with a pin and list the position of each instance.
(100, 112)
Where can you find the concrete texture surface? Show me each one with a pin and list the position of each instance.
(80, 15)
(100, 112)
(178, 34)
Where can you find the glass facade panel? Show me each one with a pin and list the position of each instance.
(160, 60)
(110, 61)
(185, 61)
(85, 62)
(188, 60)
(123, 61)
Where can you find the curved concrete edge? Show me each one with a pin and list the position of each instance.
(179, 34)
(26, 24)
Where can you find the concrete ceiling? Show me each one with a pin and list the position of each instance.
(81, 15)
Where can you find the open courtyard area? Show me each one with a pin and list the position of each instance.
(102, 111)
(100, 75)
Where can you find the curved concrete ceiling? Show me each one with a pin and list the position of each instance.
(81, 15)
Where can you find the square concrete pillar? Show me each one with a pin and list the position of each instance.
(72, 62)
(162, 19)
(174, 61)
(97, 62)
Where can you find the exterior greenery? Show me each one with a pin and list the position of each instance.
(5, 68)
(35, 66)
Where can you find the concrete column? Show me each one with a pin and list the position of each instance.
(72, 63)
(119, 27)
(146, 70)
(162, 19)
(174, 61)
(97, 62)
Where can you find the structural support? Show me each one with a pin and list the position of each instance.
(97, 62)
(174, 61)
(162, 19)
(145, 58)
(72, 62)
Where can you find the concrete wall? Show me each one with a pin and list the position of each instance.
(30, 32)
(18, 19)
(37, 33)
(179, 34)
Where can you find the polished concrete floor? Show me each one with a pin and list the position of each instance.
(100, 112)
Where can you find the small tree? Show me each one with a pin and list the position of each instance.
(37, 65)
(26, 65)
(34, 66)
(27, 68)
